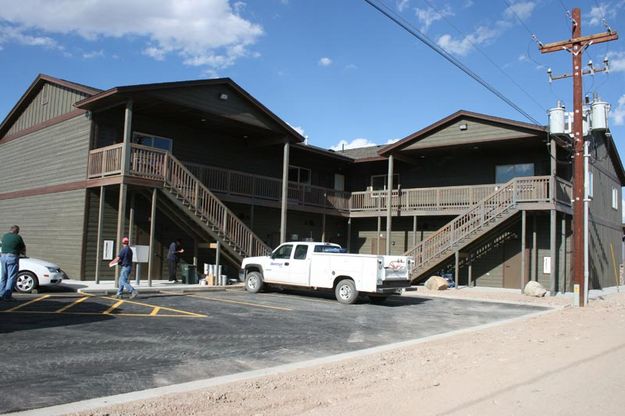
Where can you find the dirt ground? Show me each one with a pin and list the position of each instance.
(566, 362)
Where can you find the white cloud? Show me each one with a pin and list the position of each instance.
(402, 5)
(325, 61)
(298, 129)
(522, 9)
(93, 54)
(618, 113)
(616, 61)
(207, 33)
(599, 12)
(462, 46)
(428, 16)
(360, 142)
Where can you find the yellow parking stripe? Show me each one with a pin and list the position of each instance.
(162, 307)
(237, 302)
(112, 308)
(74, 303)
(144, 315)
(27, 303)
(155, 311)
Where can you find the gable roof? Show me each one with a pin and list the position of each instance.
(119, 94)
(455, 117)
(31, 92)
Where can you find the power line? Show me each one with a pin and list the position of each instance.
(488, 58)
(423, 38)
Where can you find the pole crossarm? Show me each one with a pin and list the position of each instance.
(581, 40)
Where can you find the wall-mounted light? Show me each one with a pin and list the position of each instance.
(463, 126)
(223, 96)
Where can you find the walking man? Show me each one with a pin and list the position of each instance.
(173, 256)
(124, 259)
(12, 247)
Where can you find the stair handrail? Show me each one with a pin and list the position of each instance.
(475, 217)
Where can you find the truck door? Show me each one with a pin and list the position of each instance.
(278, 270)
(299, 269)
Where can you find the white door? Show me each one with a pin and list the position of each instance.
(278, 269)
(299, 267)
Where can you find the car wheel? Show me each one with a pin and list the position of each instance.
(346, 292)
(26, 282)
(253, 282)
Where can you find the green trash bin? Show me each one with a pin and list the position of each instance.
(188, 274)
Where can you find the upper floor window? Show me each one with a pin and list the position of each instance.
(504, 173)
(614, 198)
(151, 140)
(380, 182)
(299, 175)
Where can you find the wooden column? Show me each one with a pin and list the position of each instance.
(131, 220)
(553, 277)
(152, 230)
(457, 268)
(389, 197)
(414, 231)
(349, 235)
(285, 191)
(323, 227)
(123, 188)
(98, 251)
(217, 259)
(127, 138)
(561, 285)
(121, 224)
(379, 229)
(523, 237)
(534, 249)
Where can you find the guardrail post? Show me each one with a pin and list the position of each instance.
(452, 233)
(104, 161)
(225, 224)
(196, 195)
(514, 191)
(552, 189)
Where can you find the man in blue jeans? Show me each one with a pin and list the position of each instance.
(12, 247)
(124, 259)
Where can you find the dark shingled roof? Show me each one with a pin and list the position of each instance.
(361, 152)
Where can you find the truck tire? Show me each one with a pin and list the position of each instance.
(253, 282)
(346, 292)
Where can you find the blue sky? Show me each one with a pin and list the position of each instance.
(337, 70)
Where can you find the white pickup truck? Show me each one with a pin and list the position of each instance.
(327, 266)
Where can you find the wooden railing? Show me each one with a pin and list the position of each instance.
(486, 212)
(422, 199)
(208, 207)
(233, 182)
(105, 161)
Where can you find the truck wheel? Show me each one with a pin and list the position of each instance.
(378, 299)
(346, 292)
(253, 282)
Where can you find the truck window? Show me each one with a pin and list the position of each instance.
(283, 252)
(300, 252)
(329, 249)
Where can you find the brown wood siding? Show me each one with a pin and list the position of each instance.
(52, 156)
(605, 229)
(51, 225)
(51, 101)
(476, 132)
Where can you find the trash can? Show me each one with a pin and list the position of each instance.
(188, 274)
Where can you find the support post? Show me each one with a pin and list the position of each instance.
(218, 260)
(379, 229)
(152, 239)
(563, 257)
(534, 275)
(523, 237)
(285, 191)
(457, 268)
(349, 235)
(127, 138)
(131, 220)
(389, 203)
(552, 252)
(121, 224)
(414, 231)
(98, 253)
(470, 273)
(323, 227)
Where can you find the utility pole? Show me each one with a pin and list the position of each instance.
(576, 46)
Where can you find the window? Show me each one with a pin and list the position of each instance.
(329, 249)
(299, 175)
(151, 140)
(379, 182)
(504, 173)
(283, 252)
(590, 185)
(300, 252)
(614, 198)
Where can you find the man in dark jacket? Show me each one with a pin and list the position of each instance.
(173, 257)
(12, 247)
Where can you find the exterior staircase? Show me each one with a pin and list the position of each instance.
(478, 220)
(187, 192)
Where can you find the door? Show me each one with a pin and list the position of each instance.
(299, 269)
(512, 264)
(278, 269)
(378, 248)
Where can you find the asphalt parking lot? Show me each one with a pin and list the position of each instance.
(67, 347)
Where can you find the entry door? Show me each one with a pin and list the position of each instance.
(278, 270)
(299, 267)
(378, 249)
(512, 264)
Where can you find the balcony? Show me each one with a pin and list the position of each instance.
(151, 164)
